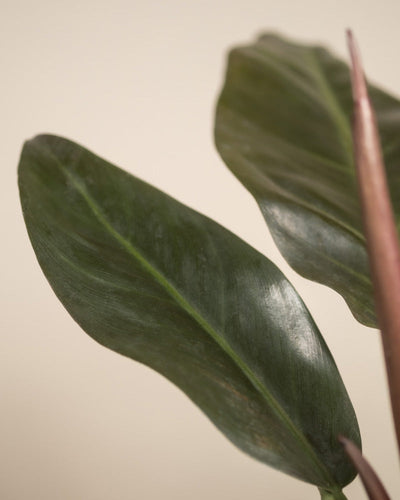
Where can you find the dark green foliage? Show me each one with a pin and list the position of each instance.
(283, 126)
(155, 281)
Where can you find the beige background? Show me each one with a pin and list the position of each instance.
(136, 81)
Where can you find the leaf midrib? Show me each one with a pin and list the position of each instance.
(290, 196)
(223, 344)
(330, 98)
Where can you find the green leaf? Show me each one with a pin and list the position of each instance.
(283, 126)
(157, 282)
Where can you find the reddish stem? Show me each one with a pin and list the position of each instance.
(380, 228)
(371, 482)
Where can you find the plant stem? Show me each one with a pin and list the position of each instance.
(332, 495)
(372, 484)
(380, 228)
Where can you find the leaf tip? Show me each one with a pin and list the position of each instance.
(357, 73)
(372, 483)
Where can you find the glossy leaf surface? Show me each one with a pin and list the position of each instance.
(283, 126)
(153, 280)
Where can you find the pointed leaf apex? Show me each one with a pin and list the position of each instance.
(369, 478)
(357, 73)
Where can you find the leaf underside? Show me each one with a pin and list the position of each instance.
(283, 127)
(157, 282)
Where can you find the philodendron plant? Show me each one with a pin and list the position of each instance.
(164, 285)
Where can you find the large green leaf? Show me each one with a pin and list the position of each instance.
(283, 126)
(156, 281)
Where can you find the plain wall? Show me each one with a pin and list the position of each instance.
(136, 82)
